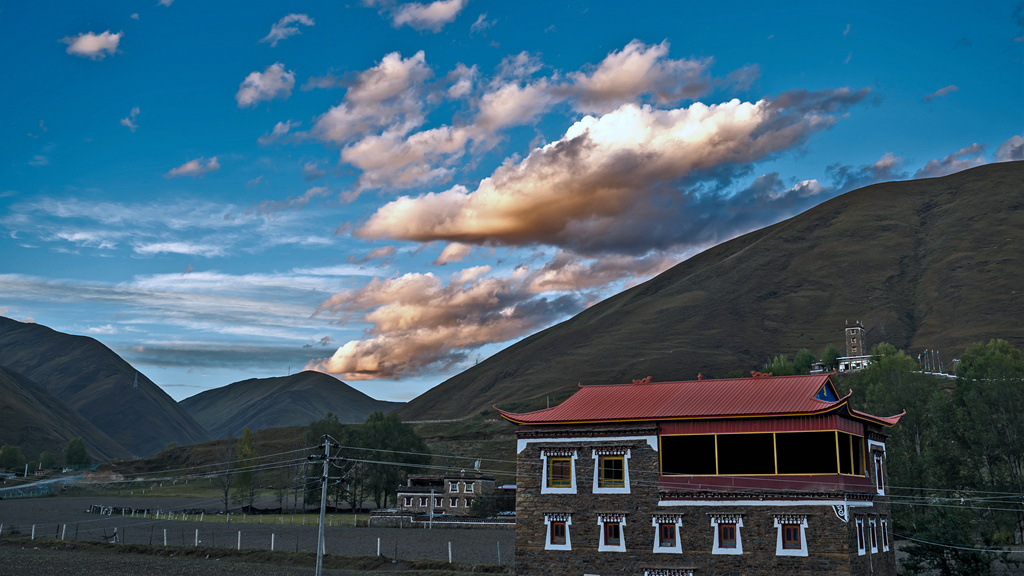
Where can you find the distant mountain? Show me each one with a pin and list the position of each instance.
(933, 263)
(294, 400)
(35, 421)
(99, 385)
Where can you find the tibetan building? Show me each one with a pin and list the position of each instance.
(746, 476)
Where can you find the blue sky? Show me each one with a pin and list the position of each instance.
(391, 192)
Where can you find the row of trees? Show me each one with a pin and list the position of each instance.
(75, 456)
(956, 459)
(377, 456)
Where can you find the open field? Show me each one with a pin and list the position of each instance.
(67, 517)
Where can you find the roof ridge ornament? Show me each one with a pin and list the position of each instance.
(646, 380)
(756, 374)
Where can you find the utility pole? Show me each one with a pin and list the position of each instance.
(326, 445)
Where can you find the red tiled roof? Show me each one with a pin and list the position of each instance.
(735, 397)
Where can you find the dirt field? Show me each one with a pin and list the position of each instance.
(55, 518)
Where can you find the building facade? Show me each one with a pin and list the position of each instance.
(770, 475)
(448, 494)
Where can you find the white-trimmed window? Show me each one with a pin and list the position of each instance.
(791, 538)
(453, 487)
(861, 542)
(408, 500)
(558, 472)
(879, 477)
(557, 532)
(423, 500)
(453, 502)
(611, 470)
(438, 501)
(883, 523)
(666, 533)
(469, 487)
(727, 538)
(874, 534)
(468, 502)
(613, 532)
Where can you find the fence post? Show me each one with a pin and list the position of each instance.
(499, 552)
(239, 540)
(378, 546)
(449, 552)
(271, 541)
(197, 537)
(33, 531)
(165, 536)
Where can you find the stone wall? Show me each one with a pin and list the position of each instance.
(831, 542)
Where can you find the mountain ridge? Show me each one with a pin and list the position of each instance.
(931, 263)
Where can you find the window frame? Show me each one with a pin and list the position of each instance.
(468, 487)
(660, 520)
(424, 501)
(879, 460)
(717, 522)
(453, 502)
(552, 521)
(604, 522)
(873, 527)
(598, 454)
(861, 540)
(790, 520)
(453, 487)
(547, 456)
(407, 501)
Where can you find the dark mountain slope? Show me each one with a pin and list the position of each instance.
(99, 385)
(935, 263)
(294, 400)
(35, 420)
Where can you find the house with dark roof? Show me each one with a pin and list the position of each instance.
(746, 476)
(446, 494)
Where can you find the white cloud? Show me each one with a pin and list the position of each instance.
(941, 92)
(130, 120)
(388, 93)
(603, 175)
(194, 168)
(93, 46)
(419, 322)
(453, 252)
(968, 157)
(431, 16)
(188, 248)
(166, 2)
(395, 160)
(482, 23)
(280, 130)
(637, 69)
(462, 79)
(274, 82)
(286, 27)
(1012, 149)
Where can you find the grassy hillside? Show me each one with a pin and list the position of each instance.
(932, 263)
(99, 385)
(35, 420)
(295, 400)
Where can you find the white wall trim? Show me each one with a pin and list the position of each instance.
(716, 548)
(547, 535)
(885, 533)
(625, 475)
(780, 551)
(545, 489)
(621, 521)
(678, 548)
(873, 534)
(764, 503)
(872, 443)
(862, 537)
(652, 441)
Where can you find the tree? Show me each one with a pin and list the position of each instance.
(75, 455)
(393, 450)
(830, 357)
(780, 366)
(493, 503)
(246, 478)
(11, 458)
(803, 361)
(224, 478)
(47, 461)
